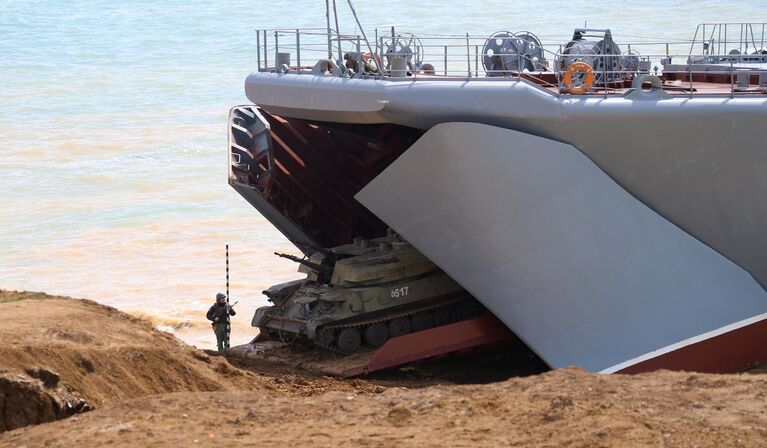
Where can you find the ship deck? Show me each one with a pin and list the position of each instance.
(681, 89)
(670, 86)
(672, 83)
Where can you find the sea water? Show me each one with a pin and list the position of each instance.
(113, 175)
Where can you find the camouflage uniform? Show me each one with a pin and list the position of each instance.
(219, 314)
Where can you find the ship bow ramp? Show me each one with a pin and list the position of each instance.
(575, 265)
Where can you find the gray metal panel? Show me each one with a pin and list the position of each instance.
(316, 93)
(578, 268)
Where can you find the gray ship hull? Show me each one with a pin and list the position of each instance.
(699, 161)
(615, 233)
(578, 268)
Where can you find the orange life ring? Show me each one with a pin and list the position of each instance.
(588, 77)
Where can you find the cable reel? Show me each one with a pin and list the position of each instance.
(633, 64)
(505, 53)
(524, 53)
(603, 56)
(404, 46)
(492, 50)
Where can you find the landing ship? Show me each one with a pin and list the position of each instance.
(603, 199)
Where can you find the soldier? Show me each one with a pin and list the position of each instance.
(219, 314)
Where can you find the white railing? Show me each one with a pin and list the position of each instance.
(722, 38)
(612, 69)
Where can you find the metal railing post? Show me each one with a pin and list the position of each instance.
(740, 43)
(276, 49)
(468, 55)
(719, 41)
(559, 67)
(381, 69)
(445, 60)
(266, 61)
(327, 28)
(689, 73)
(604, 75)
(476, 61)
(298, 50)
(258, 49)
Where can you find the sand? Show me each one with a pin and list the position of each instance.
(149, 389)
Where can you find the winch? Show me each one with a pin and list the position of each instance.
(505, 53)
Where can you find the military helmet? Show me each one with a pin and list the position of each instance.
(220, 296)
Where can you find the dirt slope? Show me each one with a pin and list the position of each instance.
(103, 354)
(149, 389)
(563, 408)
(97, 356)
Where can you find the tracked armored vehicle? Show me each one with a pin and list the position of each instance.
(357, 296)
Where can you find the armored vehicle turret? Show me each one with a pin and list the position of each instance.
(358, 295)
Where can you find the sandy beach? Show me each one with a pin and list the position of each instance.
(147, 388)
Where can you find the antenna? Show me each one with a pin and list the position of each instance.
(227, 273)
(362, 30)
(338, 30)
(327, 20)
(228, 319)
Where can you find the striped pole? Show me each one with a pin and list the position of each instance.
(228, 319)
(227, 273)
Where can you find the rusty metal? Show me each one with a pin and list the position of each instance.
(729, 352)
(485, 330)
(317, 168)
(459, 337)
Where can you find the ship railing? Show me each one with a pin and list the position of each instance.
(728, 38)
(450, 57)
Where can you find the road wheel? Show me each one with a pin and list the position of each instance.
(468, 309)
(421, 321)
(443, 316)
(325, 337)
(399, 326)
(349, 340)
(376, 335)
